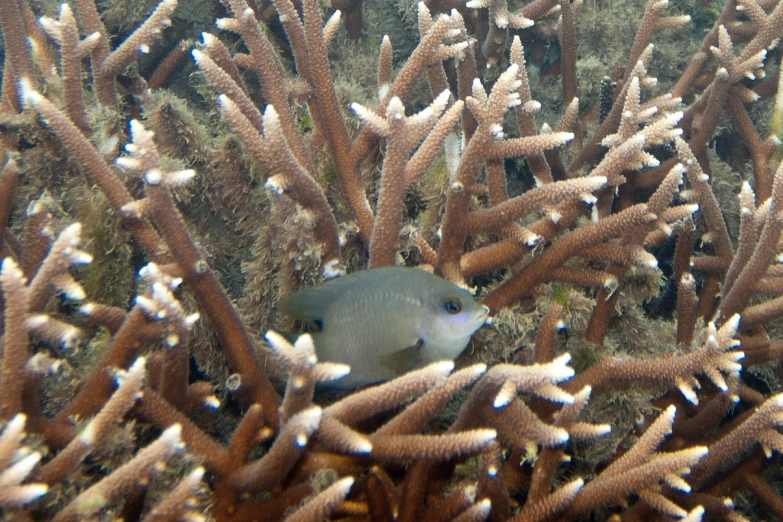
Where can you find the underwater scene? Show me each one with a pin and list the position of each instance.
(391, 260)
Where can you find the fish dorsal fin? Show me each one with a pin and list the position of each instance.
(311, 304)
(308, 305)
(404, 360)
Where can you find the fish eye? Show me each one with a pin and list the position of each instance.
(452, 305)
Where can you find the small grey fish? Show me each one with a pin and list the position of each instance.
(384, 322)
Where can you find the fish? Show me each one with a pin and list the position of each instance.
(384, 322)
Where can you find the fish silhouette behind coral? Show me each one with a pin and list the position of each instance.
(384, 322)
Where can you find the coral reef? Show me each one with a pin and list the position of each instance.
(604, 176)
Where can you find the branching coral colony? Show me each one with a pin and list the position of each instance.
(135, 387)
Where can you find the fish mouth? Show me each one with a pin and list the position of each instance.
(485, 317)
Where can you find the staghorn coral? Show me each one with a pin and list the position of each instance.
(266, 174)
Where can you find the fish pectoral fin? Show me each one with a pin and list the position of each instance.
(404, 360)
